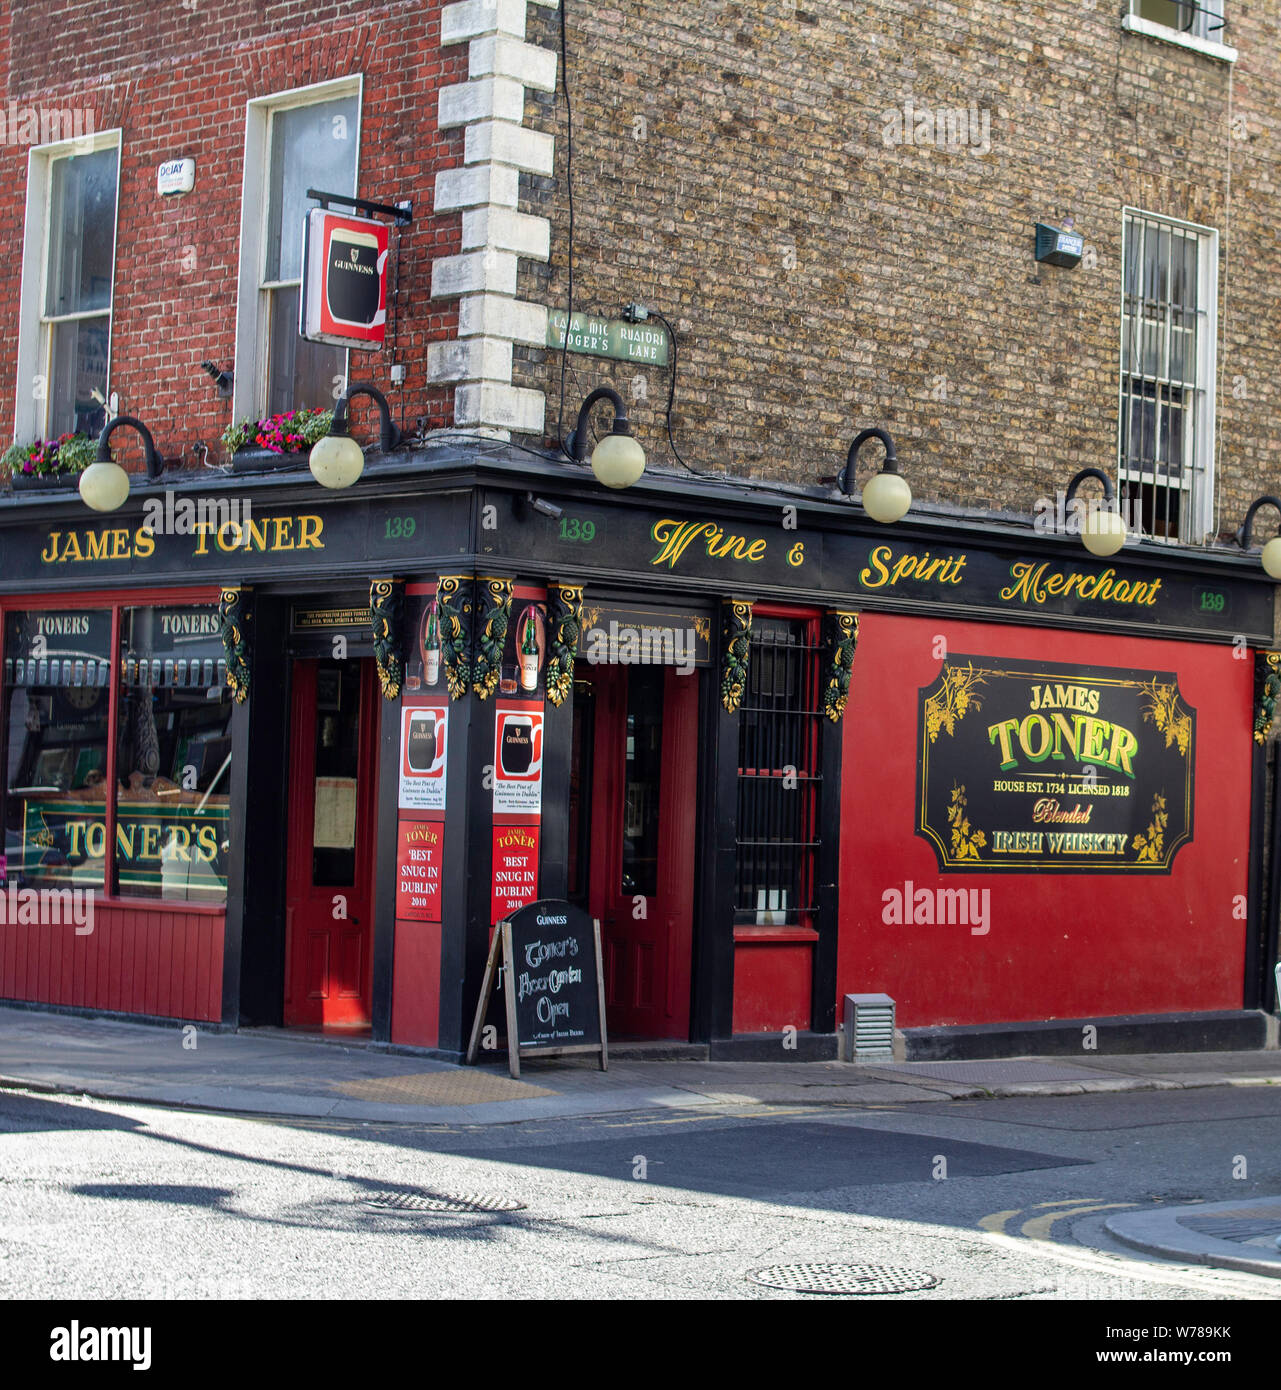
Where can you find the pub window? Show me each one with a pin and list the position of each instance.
(56, 697)
(173, 756)
(1197, 19)
(779, 776)
(302, 140)
(1166, 434)
(64, 339)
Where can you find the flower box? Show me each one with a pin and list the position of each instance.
(44, 482)
(253, 459)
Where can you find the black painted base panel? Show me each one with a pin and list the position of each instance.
(769, 1047)
(1225, 1030)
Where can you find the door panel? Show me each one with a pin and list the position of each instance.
(641, 880)
(329, 879)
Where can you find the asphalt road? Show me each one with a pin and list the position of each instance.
(997, 1200)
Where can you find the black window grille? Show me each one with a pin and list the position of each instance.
(779, 776)
(1164, 417)
(1202, 21)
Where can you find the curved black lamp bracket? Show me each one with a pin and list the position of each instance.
(1243, 535)
(155, 464)
(1109, 493)
(890, 465)
(389, 435)
(576, 445)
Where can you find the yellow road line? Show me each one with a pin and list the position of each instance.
(1040, 1226)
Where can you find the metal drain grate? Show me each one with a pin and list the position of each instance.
(411, 1203)
(833, 1278)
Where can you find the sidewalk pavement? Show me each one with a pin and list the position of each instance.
(271, 1072)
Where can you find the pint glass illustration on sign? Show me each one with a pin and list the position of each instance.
(423, 757)
(1061, 769)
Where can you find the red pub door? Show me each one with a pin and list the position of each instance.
(641, 880)
(329, 870)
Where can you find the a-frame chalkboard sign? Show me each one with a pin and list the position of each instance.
(553, 983)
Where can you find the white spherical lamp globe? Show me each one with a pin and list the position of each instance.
(336, 460)
(1271, 558)
(1103, 531)
(104, 486)
(618, 460)
(887, 497)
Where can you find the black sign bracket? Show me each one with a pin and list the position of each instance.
(400, 213)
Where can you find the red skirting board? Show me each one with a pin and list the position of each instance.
(159, 961)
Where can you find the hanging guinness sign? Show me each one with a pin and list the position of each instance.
(344, 287)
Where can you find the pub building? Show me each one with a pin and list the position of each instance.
(306, 752)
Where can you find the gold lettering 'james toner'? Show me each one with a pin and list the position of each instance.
(269, 534)
(118, 543)
(1087, 739)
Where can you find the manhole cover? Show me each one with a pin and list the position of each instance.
(832, 1278)
(412, 1202)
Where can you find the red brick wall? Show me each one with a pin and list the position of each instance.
(176, 82)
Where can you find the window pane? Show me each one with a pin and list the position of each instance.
(56, 677)
(82, 233)
(311, 147)
(79, 369)
(337, 770)
(299, 373)
(173, 756)
(643, 780)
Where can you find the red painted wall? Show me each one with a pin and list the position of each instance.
(138, 960)
(415, 990)
(1060, 945)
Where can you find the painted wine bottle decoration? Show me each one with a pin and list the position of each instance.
(430, 643)
(529, 650)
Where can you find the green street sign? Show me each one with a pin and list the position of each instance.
(644, 343)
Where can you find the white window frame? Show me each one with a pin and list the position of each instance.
(35, 340)
(1199, 476)
(1134, 23)
(249, 393)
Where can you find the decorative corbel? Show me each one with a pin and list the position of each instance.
(233, 614)
(385, 610)
(736, 632)
(1267, 682)
(453, 602)
(491, 636)
(566, 627)
(842, 639)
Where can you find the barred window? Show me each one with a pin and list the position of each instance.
(779, 776)
(1201, 19)
(1167, 376)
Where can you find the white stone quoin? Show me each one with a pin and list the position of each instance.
(489, 107)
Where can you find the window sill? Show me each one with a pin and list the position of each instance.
(1208, 48)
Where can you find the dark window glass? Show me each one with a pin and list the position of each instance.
(56, 679)
(642, 780)
(173, 756)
